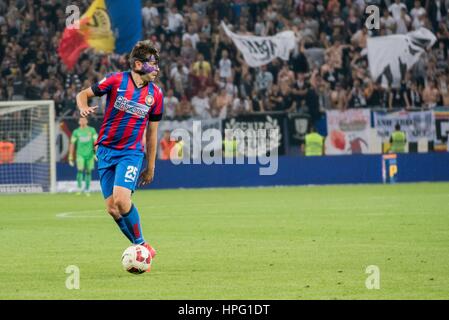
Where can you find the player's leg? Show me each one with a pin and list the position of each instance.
(126, 177)
(89, 166)
(80, 169)
(107, 176)
(122, 200)
(106, 171)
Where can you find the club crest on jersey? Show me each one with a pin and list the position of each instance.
(149, 100)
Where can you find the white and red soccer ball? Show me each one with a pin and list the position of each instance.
(136, 259)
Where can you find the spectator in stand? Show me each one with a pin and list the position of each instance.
(417, 12)
(201, 71)
(274, 68)
(166, 145)
(431, 94)
(356, 97)
(191, 35)
(221, 104)
(274, 99)
(33, 90)
(241, 105)
(246, 85)
(225, 66)
(398, 98)
(188, 53)
(30, 35)
(185, 109)
(203, 47)
(324, 97)
(229, 86)
(179, 77)
(403, 23)
(375, 95)
(264, 80)
(396, 9)
(170, 104)
(288, 103)
(149, 14)
(437, 12)
(443, 86)
(298, 61)
(388, 23)
(441, 55)
(414, 96)
(260, 28)
(175, 20)
(286, 75)
(201, 105)
(360, 38)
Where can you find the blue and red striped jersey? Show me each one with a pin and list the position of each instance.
(128, 110)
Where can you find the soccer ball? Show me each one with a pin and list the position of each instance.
(136, 259)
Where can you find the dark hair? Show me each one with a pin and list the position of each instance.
(141, 51)
(397, 127)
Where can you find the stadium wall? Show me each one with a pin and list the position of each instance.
(349, 169)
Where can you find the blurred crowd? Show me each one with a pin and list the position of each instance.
(204, 76)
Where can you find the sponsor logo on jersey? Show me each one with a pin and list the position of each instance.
(87, 138)
(134, 108)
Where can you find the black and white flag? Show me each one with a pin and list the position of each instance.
(390, 57)
(258, 51)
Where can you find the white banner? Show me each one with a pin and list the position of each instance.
(390, 57)
(348, 131)
(258, 51)
(417, 125)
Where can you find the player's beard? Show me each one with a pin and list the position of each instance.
(146, 77)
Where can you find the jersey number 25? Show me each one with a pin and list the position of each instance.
(131, 173)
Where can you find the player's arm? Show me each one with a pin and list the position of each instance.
(72, 149)
(155, 116)
(94, 138)
(71, 154)
(151, 147)
(98, 89)
(82, 102)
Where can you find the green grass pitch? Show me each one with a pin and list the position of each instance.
(251, 243)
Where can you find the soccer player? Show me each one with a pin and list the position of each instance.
(134, 105)
(83, 140)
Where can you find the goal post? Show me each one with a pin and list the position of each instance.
(27, 146)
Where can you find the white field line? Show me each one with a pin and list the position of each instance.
(332, 207)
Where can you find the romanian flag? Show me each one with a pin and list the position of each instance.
(107, 26)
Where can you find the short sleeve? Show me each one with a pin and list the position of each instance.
(105, 85)
(94, 134)
(158, 109)
(74, 137)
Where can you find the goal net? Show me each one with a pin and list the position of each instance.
(27, 146)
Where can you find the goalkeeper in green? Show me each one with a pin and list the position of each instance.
(83, 139)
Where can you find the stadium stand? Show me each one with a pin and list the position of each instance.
(326, 71)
